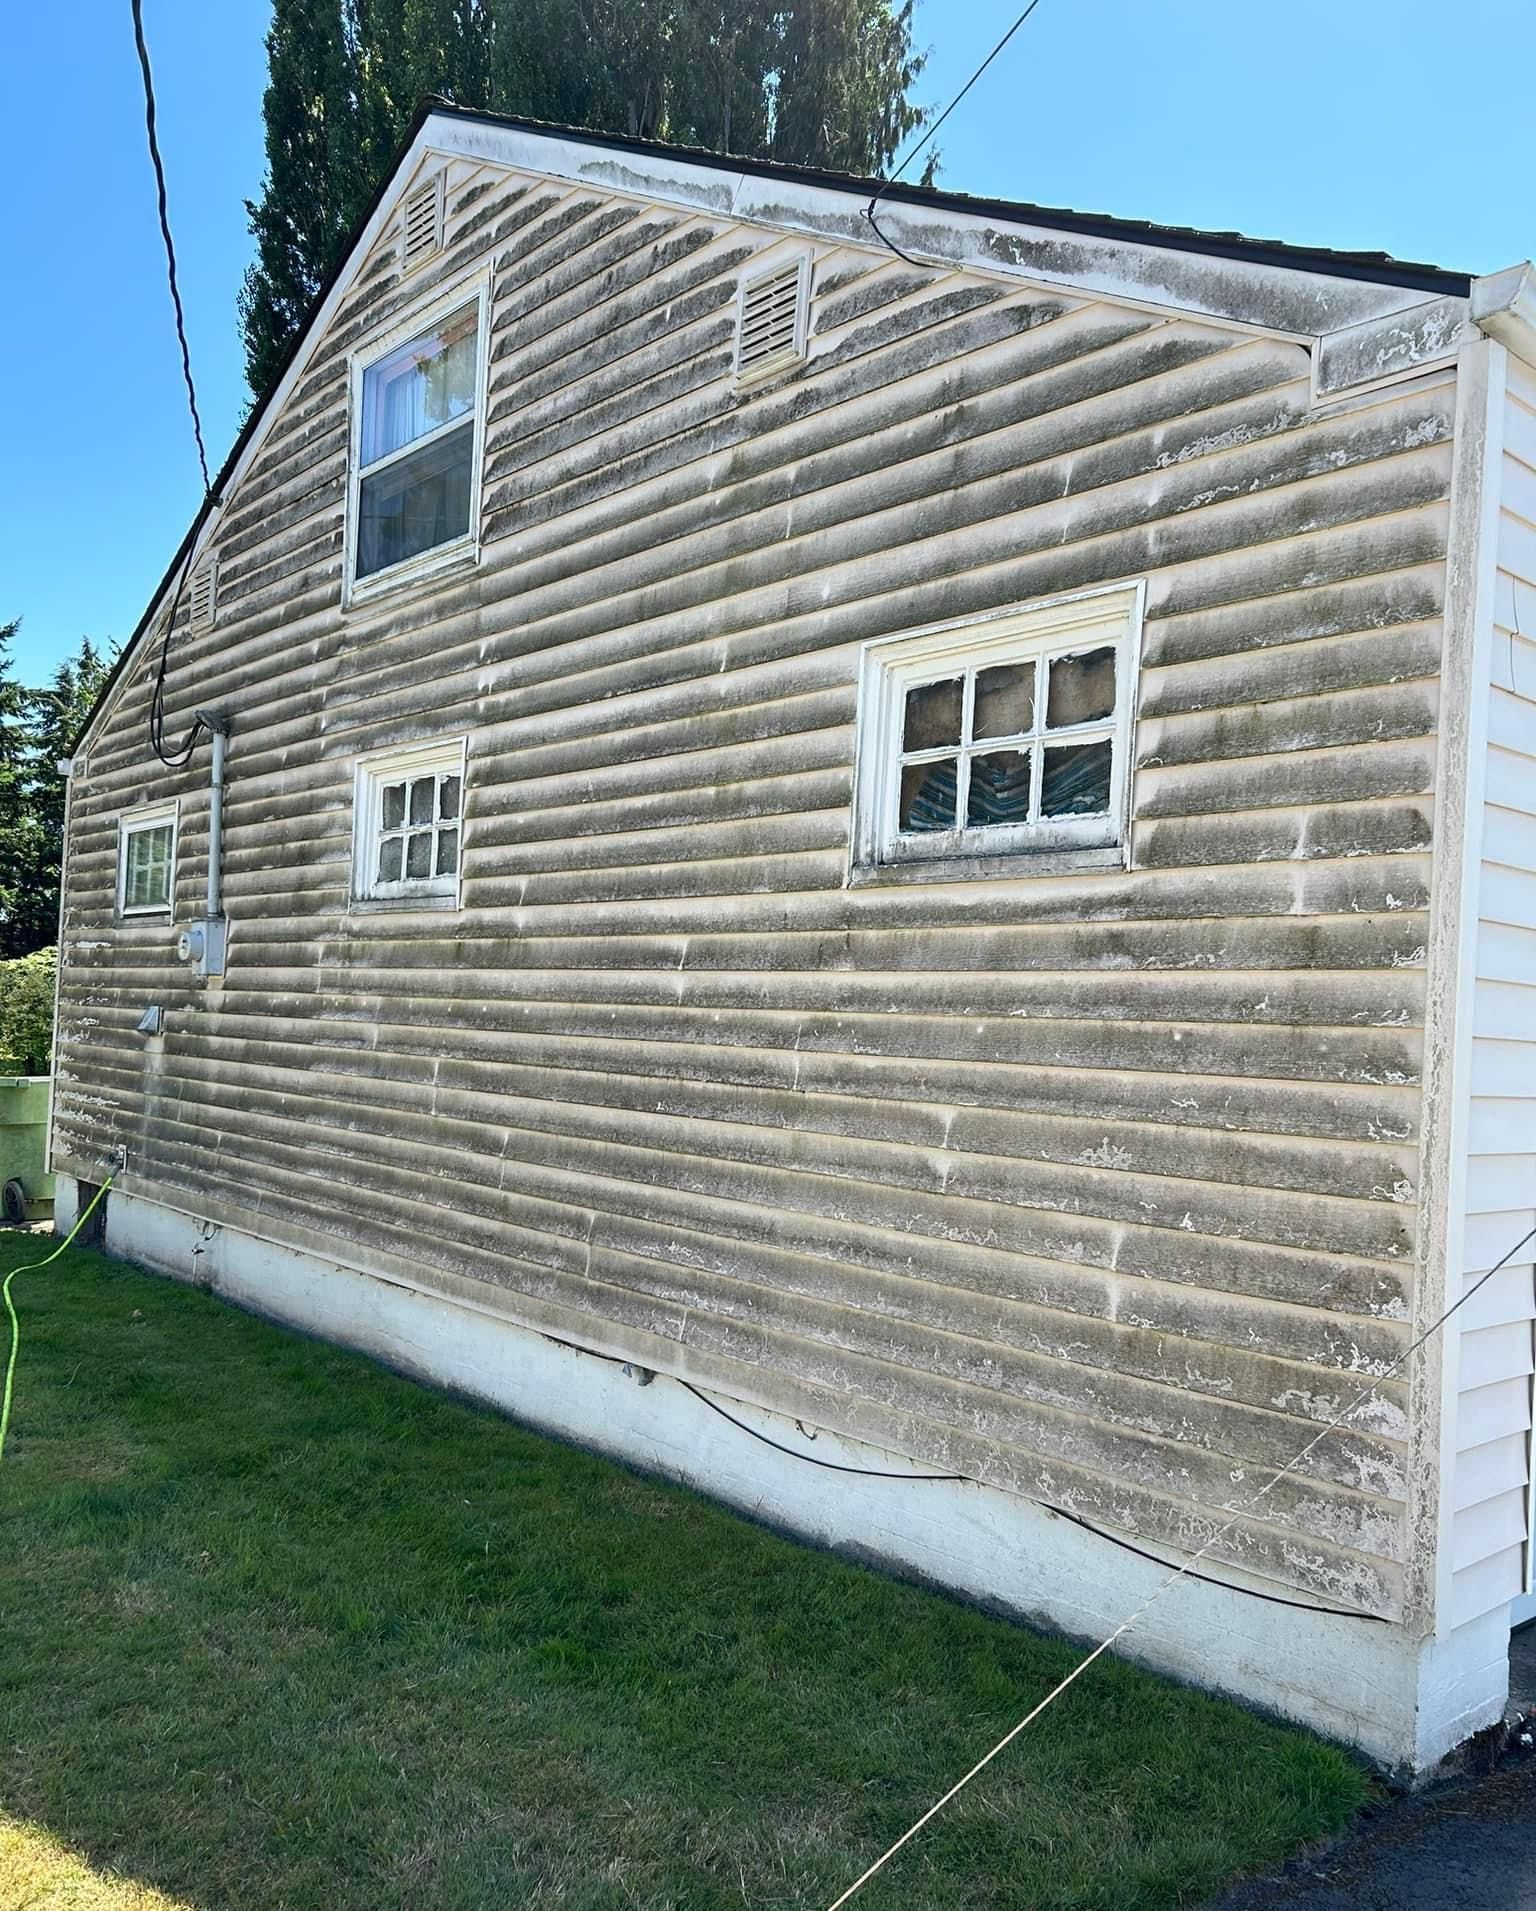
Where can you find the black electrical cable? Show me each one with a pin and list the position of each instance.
(1114, 1539)
(931, 134)
(1133, 1619)
(1209, 1579)
(177, 758)
(1061, 1512)
(165, 233)
(827, 1466)
(173, 759)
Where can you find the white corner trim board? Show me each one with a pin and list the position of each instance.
(1405, 1702)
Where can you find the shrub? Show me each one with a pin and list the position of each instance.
(26, 1013)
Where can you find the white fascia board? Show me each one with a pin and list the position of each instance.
(1380, 351)
(1504, 305)
(1269, 298)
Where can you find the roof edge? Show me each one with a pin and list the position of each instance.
(256, 417)
(1504, 306)
(1268, 255)
(1377, 269)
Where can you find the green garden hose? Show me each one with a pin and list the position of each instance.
(5, 1289)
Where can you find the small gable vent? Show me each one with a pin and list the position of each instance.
(771, 333)
(421, 225)
(202, 595)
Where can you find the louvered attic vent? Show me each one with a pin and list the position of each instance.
(421, 226)
(771, 334)
(202, 595)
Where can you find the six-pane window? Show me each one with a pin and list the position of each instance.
(410, 819)
(419, 828)
(146, 862)
(1014, 743)
(416, 445)
(1000, 736)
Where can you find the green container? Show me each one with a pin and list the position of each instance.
(26, 1189)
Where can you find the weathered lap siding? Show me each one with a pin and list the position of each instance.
(1103, 1187)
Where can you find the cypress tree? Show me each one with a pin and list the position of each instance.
(17, 832)
(318, 164)
(806, 82)
(846, 71)
(37, 730)
(43, 726)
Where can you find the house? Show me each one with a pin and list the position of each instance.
(877, 849)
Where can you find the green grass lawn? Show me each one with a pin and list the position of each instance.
(283, 1632)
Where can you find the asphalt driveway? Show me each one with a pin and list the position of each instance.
(1467, 1846)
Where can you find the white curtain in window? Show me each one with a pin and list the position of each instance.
(418, 387)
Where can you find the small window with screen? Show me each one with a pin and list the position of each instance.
(146, 860)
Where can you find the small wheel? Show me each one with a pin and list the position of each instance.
(13, 1203)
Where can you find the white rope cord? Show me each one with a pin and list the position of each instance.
(1179, 1573)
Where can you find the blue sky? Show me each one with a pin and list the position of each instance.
(1391, 125)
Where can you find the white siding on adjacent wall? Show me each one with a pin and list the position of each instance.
(1491, 1493)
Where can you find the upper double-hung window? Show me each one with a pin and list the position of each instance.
(417, 437)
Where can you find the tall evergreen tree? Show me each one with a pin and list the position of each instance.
(55, 717)
(808, 82)
(37, 730)
(845, 73)
(318, 162)
(16, 831)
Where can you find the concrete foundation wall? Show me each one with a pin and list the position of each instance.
(1403, 1702)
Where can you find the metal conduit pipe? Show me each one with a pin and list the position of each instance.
(203, 943)
(217, 724)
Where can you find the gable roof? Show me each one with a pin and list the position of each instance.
(1380, 268)
(796, 197)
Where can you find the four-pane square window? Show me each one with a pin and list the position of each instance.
(409, 823)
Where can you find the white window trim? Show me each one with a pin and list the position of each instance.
(770, 267)
(372, 772)
(133, 823)
(1083, 620)
(462, 551)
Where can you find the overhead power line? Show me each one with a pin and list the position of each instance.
(931, 134)
(170, 244)
(173, 758)
(177, 756)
